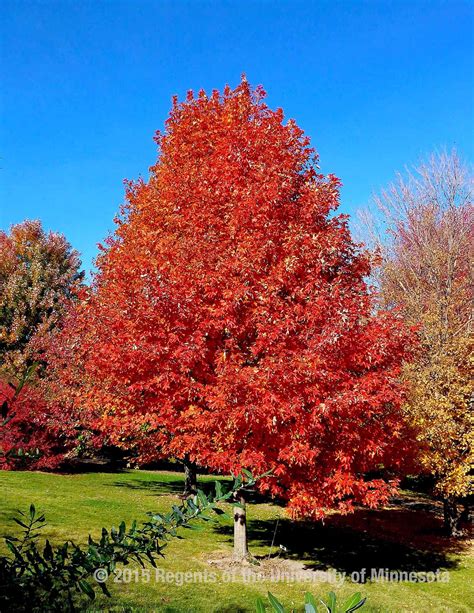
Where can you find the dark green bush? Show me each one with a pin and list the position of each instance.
(37, 576)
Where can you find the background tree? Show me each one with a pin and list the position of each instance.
(39, 277)
(39, 274)
(230, 320)
(33, 432)
(427, 270)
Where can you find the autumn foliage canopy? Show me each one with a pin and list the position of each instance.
(427, 271)
(39, 279)
(230, 320)
(39, 275)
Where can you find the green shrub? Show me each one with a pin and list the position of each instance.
(37, 576)
(352, 604)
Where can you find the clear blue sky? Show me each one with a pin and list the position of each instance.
(86, 84)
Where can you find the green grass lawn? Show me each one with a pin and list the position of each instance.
(403, 537)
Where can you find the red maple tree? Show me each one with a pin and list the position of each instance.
(230, 321)
(32, 436)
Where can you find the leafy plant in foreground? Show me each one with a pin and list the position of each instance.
(353, 603)
(39, 576)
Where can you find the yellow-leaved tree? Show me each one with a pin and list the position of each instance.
(425, 223)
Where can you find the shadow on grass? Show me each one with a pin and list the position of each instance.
(166, 488)
(84, 466)
(405, 537)
(394, 539)
(175, 487)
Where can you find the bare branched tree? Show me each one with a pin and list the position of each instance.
(423, 230)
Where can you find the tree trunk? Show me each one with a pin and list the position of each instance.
(241, 551)
(190, 477)
(452, 517)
